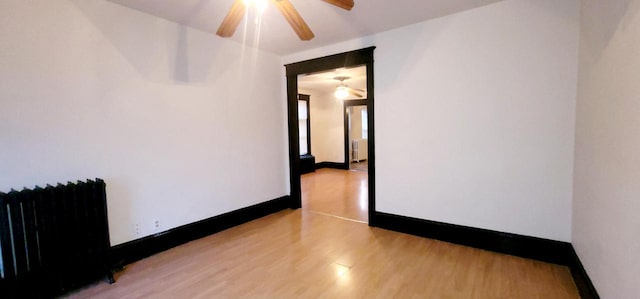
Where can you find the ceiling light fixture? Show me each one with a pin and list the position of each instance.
(341, 93)
(261, 5)
(239, 9)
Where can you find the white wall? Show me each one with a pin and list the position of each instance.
(475, 116)
(91, 89)
(327, 127)
(606, 225)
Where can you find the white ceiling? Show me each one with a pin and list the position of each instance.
(324, 82)
(329, 23)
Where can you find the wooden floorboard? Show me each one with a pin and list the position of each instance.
(310, 253)
(342, 193)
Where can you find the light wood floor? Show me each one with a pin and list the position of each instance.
(360, 166)
(309, 254)
(341, 193)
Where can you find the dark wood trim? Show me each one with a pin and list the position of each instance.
(307, 98)
(551, 251)
(135, 250)
(371, 155)
(346, 59)
(581, 278)
(293, 70)
(334, 165)
(345, 115)
(294, 149)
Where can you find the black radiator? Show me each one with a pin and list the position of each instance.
(53, 239)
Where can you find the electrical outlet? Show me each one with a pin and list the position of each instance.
(136, 229)
(157, 223)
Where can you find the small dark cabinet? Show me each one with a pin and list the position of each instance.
(307, 164)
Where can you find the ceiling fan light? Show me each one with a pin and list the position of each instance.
(261, 5)
(341, 93)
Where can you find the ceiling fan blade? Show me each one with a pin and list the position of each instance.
(295, 20)
(358, 89)
(233, 18)
(354, 93)
(344, 4)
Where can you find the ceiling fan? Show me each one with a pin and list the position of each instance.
(343, 91)
(239, 8)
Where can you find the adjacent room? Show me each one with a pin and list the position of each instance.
(319, 149)
(333, 142)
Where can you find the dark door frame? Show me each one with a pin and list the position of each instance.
(293, 70)
(345, 105)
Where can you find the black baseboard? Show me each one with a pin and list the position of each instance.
(528, 247)
(334, 165)
(580, 277)
(545, 250)
(135, 250)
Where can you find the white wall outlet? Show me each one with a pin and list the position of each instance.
(157, 223)
(136, 229)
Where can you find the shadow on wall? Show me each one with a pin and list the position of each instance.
(181, 73)
(601, 20)
(145, 43)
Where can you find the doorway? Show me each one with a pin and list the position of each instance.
(332, 188)
(356, 133)
(363, 57)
